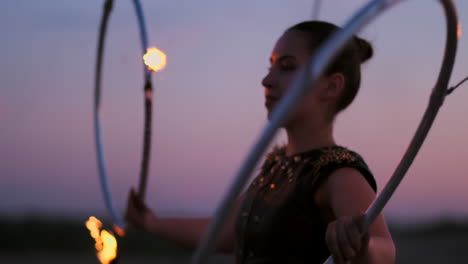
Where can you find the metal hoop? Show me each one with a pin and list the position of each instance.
(117, 218)
(309, 75)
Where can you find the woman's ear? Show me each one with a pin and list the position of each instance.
(334, 84)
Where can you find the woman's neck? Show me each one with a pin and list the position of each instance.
(307, 136)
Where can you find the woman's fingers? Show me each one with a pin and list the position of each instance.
(332, 243)
(135, 209)
(137, 202)
(354, 235)
(344, 242)
(362, 227)
(130, 208)
(346, 238)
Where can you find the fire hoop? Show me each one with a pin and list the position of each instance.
(148, 92)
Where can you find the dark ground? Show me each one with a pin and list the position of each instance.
(63, 241)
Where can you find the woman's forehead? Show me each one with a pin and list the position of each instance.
(291, 43)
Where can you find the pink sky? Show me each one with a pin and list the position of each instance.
(208, 103)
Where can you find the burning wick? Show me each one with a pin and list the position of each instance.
(106, 244)
(155, 59)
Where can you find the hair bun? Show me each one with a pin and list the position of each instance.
(364, 48)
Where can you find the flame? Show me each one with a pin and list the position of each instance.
(119, 231)
(155, 59)
(106, 244)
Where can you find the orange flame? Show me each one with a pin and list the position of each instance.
(106, 244)
(119, 230)
(155, 59)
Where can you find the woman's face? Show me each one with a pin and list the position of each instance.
(289, 55)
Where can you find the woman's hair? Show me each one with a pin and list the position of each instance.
(348, 62)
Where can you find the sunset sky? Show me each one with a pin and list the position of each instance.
(208, 103)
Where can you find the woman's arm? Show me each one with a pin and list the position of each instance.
(343, 198)
(185, 232)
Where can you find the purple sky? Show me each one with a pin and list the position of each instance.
(209, 102)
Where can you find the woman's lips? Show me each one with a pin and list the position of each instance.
(270, 101)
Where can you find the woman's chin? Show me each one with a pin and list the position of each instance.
(269, 113)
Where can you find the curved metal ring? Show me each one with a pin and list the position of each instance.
(117, 218)
(309, 75)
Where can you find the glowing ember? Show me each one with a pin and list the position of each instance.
(154, 59)
(106, 244)
(459, 31)
(119, 231)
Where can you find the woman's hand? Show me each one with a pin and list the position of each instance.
(347, 238)
(138, 214)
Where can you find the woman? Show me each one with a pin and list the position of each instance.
(309, 198)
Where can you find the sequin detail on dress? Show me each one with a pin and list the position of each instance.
(333, 156)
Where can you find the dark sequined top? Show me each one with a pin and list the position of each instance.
(278, 221)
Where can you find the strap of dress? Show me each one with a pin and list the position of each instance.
(335, 158)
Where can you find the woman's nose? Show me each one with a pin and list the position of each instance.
(267, 81)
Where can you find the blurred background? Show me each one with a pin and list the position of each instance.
(208, 111)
